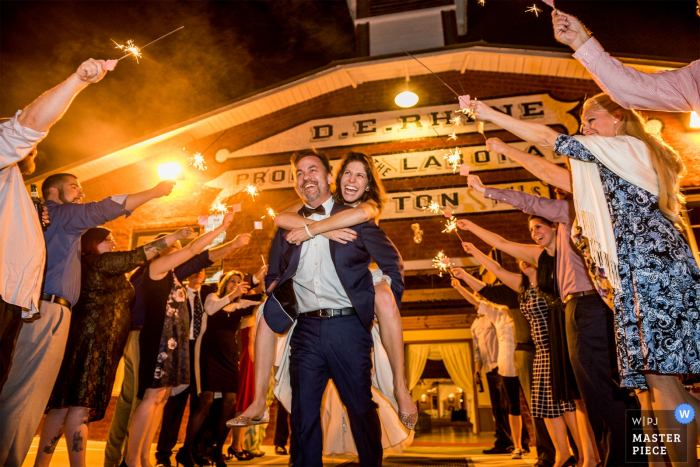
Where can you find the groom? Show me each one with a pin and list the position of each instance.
(327, 287)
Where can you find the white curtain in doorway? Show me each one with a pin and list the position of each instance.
(416, 356)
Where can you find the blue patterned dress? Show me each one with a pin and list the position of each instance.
(657, 321)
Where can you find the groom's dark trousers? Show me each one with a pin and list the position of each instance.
(338, 348)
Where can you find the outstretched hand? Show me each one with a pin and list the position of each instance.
(496, 145)
(185, 232)
(469, 248)
(241, 240)
(569, 30)
(474, 182)
(164, 188)
(464, 224)
(92, 71)
(459, 273)
(481, 110)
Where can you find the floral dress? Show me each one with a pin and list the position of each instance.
(164, 339)
(657, 321)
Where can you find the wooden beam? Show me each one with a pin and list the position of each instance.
(437, 322)
(427, 295)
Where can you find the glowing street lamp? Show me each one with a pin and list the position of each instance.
(169, 170)
(406, 99)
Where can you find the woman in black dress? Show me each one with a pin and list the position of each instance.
(100, 323)
(217, 365)
(164, 343)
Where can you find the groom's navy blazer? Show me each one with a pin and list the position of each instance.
(351, 262)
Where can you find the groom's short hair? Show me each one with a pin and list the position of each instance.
(299, 155)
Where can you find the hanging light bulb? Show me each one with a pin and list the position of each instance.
(406, 99)
(694, 120)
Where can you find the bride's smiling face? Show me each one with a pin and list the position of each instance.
(353, 182)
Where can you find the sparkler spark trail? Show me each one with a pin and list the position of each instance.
(136, 51)
(130, 48)
(197, 161)
(443, 82)
(454, 159)
(452, 136)
(442, 263)
(451, 226)
(456, 121)
(481, 2)
(271, 213)
(434, 208)
(220, 208)
(534, 9)
(252, 191)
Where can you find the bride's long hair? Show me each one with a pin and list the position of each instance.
(667, 162)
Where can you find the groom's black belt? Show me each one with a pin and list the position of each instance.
(331, 312)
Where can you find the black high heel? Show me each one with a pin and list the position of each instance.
(241, 456)
(184, 458)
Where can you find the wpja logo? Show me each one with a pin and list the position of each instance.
(652, 435)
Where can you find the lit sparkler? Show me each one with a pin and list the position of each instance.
(454, 159)
(452, 136)
(534, 9)
(252, 191)
(451, 226)
(442, 263)
(481, 2)
(220, 208)
(456, 121)
(197, 161)
(271, 213)
(434, 208)
(130, 48)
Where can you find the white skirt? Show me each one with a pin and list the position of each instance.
(337, 436)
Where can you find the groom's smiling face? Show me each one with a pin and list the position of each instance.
(313, 181)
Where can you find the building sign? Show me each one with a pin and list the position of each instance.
(460, 200)
(389, 166)
(404, 124)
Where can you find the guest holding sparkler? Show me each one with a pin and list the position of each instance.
(626, 186)
(20, 229)
(675, 90)
(589, 334)
(558, 412)
(84, 384)
(165, 356)
(358, 185)
(115, 449)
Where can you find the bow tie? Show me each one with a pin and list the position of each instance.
(307, 211)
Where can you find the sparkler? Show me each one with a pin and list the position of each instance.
(451, 226)
(443, 82)
(251, 190)
(481, 2)
(442, 263)
(452, 136)
(131, 49)
(454, 159)
(220, 208)
(271, 213)
(456, 121)
(434, 208)
(534, 9)
(480, 128)
(197, 161)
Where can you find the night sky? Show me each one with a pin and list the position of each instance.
(231, 49)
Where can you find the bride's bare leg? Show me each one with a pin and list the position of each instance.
(265, 347)
(391, 331)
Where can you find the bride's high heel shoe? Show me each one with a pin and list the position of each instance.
(249, 421)
(409, 420)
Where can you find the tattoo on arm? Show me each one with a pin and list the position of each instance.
(156, 247)
(54, 442)
(77, 442)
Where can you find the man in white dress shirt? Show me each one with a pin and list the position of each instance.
(327, 287)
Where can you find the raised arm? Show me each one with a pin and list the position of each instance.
(510, 279)
(155, 247)
(338, 222)
(541, 168)
(213, 303)
(529, 253)
(471, 281)
(537, 133)
(135, 200)
(221, 251)
(160, 267)
(48, 108)
(471, 298)
(675, 91)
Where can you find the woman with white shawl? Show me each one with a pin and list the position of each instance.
(626, 186)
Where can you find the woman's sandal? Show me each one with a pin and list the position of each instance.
(248, 421)
(242, 455)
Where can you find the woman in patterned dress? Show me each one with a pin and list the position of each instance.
(558, 414)
(645, 256)
(99, 327)
(164, 343)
